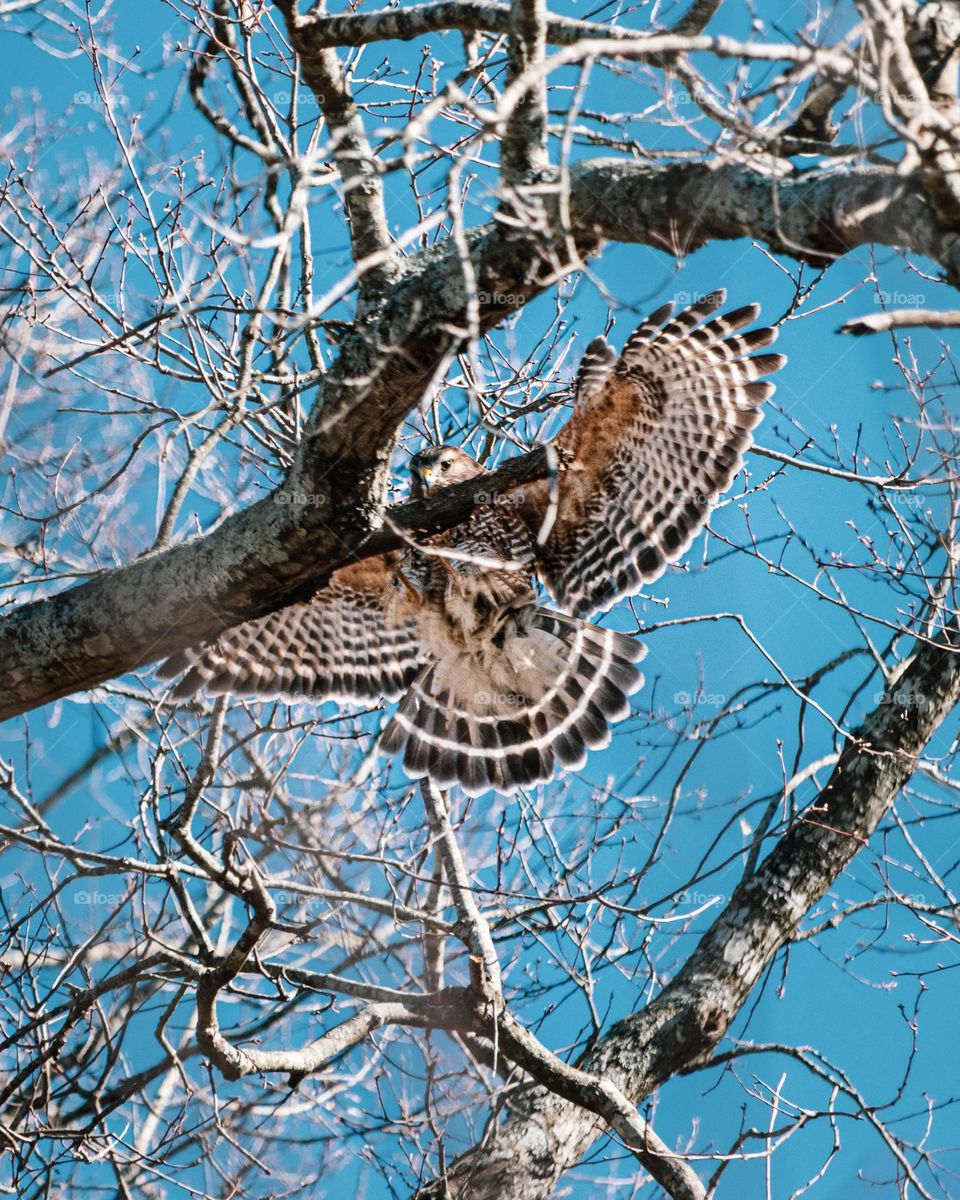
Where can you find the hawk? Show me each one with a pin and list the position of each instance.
(496, 690)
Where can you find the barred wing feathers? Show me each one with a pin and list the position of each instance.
(654, 443)
(340, 645)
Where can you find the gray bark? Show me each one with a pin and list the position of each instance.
(546, 1132)
(332, 503)
(413, 315)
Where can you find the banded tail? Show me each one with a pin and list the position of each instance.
(545, 692)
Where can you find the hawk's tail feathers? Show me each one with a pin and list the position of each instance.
(517, 717)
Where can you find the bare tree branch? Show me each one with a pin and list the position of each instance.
(900, 318)
(236, 890)
(196, 590)
(678, 1029)
(373, 251)
(523, 148)
(330, 506)
(319, 31)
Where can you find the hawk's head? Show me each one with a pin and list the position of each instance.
(439, 466)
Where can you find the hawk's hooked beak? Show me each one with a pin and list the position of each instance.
(426, 478)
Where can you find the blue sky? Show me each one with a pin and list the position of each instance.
(845, 393)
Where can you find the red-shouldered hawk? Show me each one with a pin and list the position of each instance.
(495, 690)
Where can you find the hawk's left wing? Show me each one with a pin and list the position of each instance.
(656, 437)
(343, 644)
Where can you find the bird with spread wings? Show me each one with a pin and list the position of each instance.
(495, 690)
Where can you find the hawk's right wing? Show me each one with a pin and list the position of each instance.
(341, 645)
(657, 435)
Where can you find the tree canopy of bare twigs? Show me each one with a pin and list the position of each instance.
(253, 255)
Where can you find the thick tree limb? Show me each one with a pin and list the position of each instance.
(814, 122)
(319, 31)
(928, 128)
(546, 1134)
(697, 17)
(816, 216)
(598, 1095)
(331, 506)
(933, 39)
(279, 547)
(370, 240)
(523, 148)
(416, 20)
(234, 1062)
